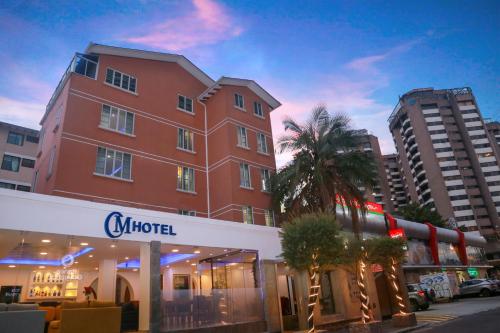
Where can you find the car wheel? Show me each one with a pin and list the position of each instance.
(485, 293)
(413, 305)
(424, 307)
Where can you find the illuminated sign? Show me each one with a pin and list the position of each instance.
(397, 233)
(371, 207)
(473, 272)
(115, 225)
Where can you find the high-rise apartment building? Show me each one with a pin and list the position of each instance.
(447, 158)
(395, 181)
(493, 128)
(380, 193)
(18, 146)
(153, 131)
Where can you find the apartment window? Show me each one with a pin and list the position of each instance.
(15, 138)
(439, 140)
(269, 217)
(428, 106)
(487, 164)
(185, 179)
(8, 186)
(265, 178)
(242, 136)
(117, 119)
(247, 214)
(32, 138)
(469, 120)
(86, 64)
(491, 173)
(113, 163)
(185, 104)
(184, 139)
(245, 180)
(121, 80)
(51, 162)
(464, 207)
(11, 163)
(257, 109)
(434, 123)
(28, 163)
(458, 197)
(187, 212)
(238, 101)
(261, 143)
(23, 188)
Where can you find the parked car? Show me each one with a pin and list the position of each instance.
(430, 293)
(497, 282)
(416, 294)
(479, 287)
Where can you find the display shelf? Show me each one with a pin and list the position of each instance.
(48, 284)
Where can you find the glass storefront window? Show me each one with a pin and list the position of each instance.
(418, 253)
(448, 254)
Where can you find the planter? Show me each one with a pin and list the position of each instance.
(371, 327)
(406, 320)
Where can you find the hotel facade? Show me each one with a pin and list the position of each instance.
(151, 186)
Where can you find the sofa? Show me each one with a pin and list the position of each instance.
(85, 317)
(21, 318)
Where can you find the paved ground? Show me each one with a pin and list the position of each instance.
(484, 322)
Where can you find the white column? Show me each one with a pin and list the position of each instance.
(106, 287)
(144, 287)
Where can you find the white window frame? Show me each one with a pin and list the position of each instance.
(112, 84)
(115, 152)
(257, 106)
(247, 210)
(269, 212)
(262, 142)
(181, 139)
(52, 157)
(179, 97)
(181, 171)
(239, 101)
(242, 136)
(245, 170)
(119, 112)
(265, 188)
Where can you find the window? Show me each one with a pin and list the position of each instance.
(32, 138)
(242, 136)
(11, 163)
(117, 119)
(185, 139)
(113, 163)
(238, 101)
(58, 118)
(245, 180)
(185, 104)
(51, 161)
(257, 109)
(86, 64)
(261, 143)
(269, 217)
(247, 214)
(187, 212)
(121, 80)
(265, 178)
(15, 138)
(23, 188)
(185, 179)
(7, 186)
(28, 163)
(40, 145)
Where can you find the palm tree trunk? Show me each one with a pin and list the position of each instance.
(363, 294)
(326, 200)
(395, 286)
(313, 294)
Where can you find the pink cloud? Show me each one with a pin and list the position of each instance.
(21, 113)
(207, 24)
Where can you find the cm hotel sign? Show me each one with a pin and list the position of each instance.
(115, 225)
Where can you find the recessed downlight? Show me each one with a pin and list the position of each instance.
(175, 250)
(43, 253)
(113, 245)
(91, 256)
(84, 244)
(45, 240)
(12, 266)
(41, 267)
(126, 258)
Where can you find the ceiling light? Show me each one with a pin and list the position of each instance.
(45, 240)
(91, 256)
(12, 266)
(84, 244)
(168, 266)
(43, 253)
(126, 258)
(210, 254)
(41, 267)
(225, 250)
(187, 260)
(193, 264)
(76, 262)
(113, 245)
(97, 268)
(175, 250)
(197, 251)
(135, 269)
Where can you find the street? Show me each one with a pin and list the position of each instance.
(485, 322)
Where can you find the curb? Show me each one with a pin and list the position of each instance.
(410, 329)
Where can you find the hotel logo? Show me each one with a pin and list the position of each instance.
(115, 225)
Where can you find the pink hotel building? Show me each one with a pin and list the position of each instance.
(153, 131)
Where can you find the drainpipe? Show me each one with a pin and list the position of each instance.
(206, 156)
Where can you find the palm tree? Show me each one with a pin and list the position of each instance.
(327, 164)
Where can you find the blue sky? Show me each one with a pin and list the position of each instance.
(356, 57)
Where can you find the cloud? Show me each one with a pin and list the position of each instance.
(207, 24)
(26, 114)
